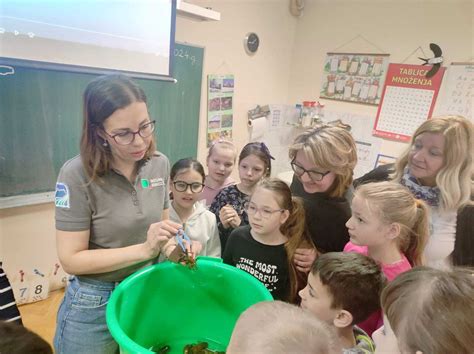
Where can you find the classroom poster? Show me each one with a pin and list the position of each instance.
(408, 100)
(357, 78)
(459, 91)
(220, 96)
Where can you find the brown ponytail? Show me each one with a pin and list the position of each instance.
(294, 229)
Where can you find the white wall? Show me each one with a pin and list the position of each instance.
(286, 69)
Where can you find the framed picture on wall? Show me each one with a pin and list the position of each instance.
(353, 77)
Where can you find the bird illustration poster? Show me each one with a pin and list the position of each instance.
(356, 78)
(408, 99)
(435, 61)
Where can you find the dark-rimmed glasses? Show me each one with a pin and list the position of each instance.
(315, 176)
(265, 213)
(127, 137)
(182, 186)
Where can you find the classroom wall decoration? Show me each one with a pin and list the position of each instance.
(459, 91)
(219, 107)
(357, 78)
(34, 284)
(408, 100)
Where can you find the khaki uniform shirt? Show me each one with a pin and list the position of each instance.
(117, 213)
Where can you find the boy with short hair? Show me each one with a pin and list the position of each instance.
(276, 327)
(344, 289)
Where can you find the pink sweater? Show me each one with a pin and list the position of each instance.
(209, 193)
(391, 271)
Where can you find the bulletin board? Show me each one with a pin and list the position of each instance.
(457, 97)
(408, 100)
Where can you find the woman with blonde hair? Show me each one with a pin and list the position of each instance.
(437, 167)
(323, 159)
(430, 311)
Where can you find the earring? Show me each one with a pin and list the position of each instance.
(105, 143)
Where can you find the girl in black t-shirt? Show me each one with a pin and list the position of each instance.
(266, 247)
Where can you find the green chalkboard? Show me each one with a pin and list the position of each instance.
(41, 119)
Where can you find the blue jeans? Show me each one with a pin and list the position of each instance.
(80, 325)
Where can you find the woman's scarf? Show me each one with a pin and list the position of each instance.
(430, 195)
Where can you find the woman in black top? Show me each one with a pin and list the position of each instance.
(323, 159)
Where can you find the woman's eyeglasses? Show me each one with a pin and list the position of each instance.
(265, 213)
(127, 137)
(314, 175)
(182, 186)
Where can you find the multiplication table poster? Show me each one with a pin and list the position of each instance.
(408, 99)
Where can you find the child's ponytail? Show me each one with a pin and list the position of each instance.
(394, 203)
(418, 234)
(294, 229)
(294, 225)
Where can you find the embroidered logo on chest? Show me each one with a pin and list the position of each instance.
(152, 183)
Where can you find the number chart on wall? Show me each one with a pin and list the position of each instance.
(408, 100)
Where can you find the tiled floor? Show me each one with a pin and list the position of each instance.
(40, 317)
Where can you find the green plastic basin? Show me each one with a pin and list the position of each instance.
(170, 304)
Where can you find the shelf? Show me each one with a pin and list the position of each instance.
(196, 12)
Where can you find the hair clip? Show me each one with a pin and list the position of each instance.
(264, 148)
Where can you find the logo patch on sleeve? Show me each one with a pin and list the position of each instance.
(61, 197)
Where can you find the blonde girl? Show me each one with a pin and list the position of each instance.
(389, 225)
(430, 311)
(437, 167)
(323, 159)
(186, 183)
(228, 206)
(265, 248)
(220, 163)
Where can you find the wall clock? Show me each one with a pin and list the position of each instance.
(251, 43)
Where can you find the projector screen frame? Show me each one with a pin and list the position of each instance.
(6, 62)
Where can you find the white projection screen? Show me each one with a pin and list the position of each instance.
(94, 36)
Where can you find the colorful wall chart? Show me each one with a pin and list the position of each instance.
(408, 100)
(356, 78)
(220, 96)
